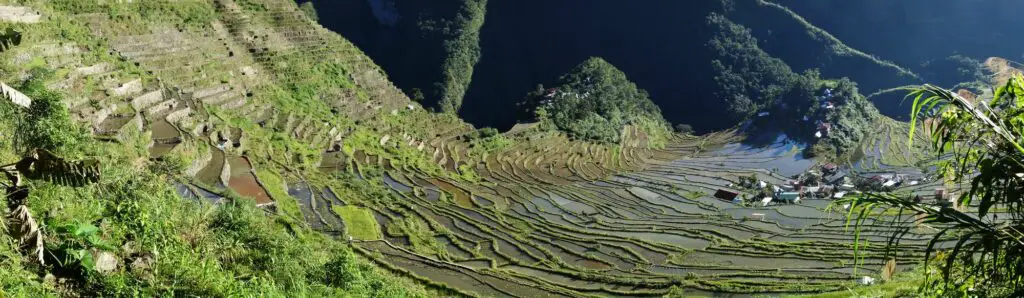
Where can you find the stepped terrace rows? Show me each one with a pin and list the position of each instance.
(633, 233)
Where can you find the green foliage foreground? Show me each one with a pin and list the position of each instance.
(161, 244)
(983, 140)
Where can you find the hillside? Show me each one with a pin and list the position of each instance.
(430, 48)
(239, 148)
(228, 134)
(830, 115)
(662, 47)
(185, 105)
(595, 101)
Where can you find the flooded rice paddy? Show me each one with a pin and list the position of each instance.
(244, 182)
(631, 234)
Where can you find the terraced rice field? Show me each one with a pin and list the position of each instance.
(634, 233)
(545, 217)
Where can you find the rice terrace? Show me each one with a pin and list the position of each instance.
(240, 148)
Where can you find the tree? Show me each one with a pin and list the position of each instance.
(983, 142)
(684, 128)
(310, 11)
(803, 91)
(528, 107)
(416, 94)
(46, 124)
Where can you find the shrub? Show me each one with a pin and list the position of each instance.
(684, 128)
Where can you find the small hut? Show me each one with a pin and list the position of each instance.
(726, 195)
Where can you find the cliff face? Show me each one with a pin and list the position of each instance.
(884, 44)
(910, 32)
(429, 48)
(661, 45)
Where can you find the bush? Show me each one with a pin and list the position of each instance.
(310, 11)
(47, 124)
(684, 128)
(488, 132)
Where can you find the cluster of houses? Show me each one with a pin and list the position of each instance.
(552, 94)
(825, 182)
(828, 101)
(823, 129)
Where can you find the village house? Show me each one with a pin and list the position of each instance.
(550, 93)
(726, 195)
(789, 197)
(824, 128)
(829, 169)
(945, 198)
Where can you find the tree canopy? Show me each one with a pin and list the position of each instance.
(751, 81)
(748, 78)
(595, 101)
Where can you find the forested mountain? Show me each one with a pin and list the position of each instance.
(663, 46)
(595, 101)
(430, 48)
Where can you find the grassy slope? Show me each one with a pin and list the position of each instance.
(360, 222)
(193, 248)
(463, 52)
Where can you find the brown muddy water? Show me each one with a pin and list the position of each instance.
(165, 138)
(244, 182)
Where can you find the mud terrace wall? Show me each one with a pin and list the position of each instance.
(18, 14)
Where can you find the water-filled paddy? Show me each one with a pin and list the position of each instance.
(599, 234)
(211, 173)
(244, 182)
(165, 138)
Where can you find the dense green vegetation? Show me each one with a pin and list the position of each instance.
(161, 243)
(448, 35)
(984, 143)
(752, 81)
(595, 101)
(851, 122)
(748, 78)
(310, 10)
(462, 44)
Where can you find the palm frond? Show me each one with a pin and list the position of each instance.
(982, 145)
(23, 227)
(9, 39)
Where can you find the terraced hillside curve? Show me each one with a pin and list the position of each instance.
(251, 100)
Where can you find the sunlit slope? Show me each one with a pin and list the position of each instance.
(251, 99)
